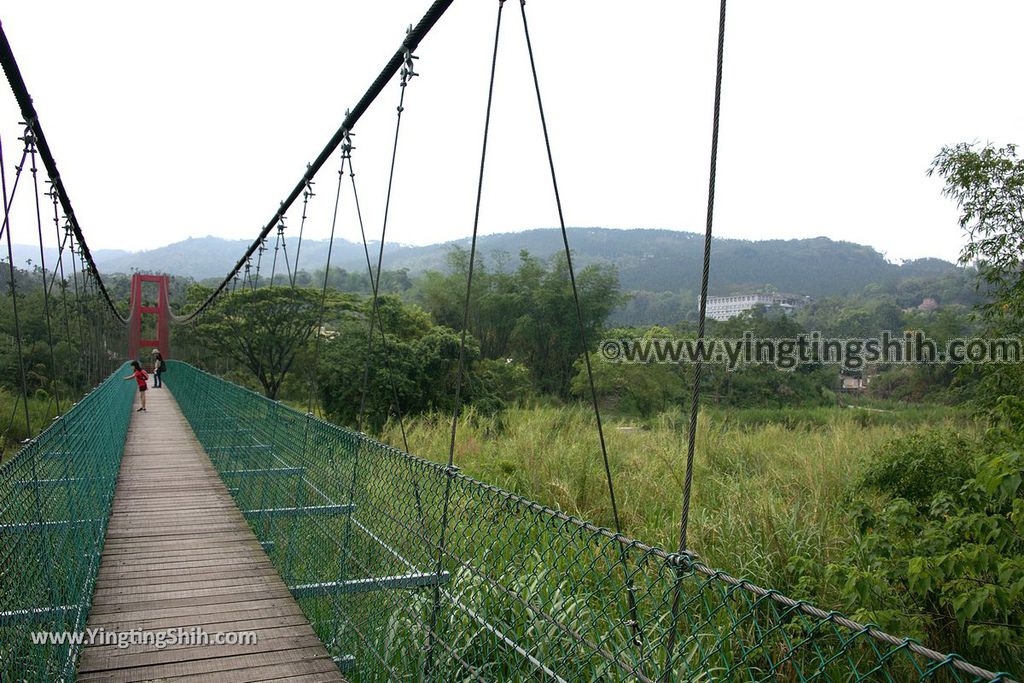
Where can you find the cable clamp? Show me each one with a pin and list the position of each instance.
(308, 192)
(346, 146)
(409, 66)
(29, 138)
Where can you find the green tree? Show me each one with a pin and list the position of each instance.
(526, 315)
(419, 365)
(266, 330)
(987, 184)
(632, 388)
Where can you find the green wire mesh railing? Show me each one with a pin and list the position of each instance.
(408, 570)
(55, 499)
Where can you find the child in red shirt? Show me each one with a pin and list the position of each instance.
(140, 377)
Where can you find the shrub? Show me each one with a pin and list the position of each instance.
(941, 557)
(920, 465)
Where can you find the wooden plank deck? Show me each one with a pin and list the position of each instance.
(179, 554)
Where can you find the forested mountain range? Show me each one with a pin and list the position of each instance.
(646, 260)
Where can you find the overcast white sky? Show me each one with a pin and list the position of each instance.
(194, 119)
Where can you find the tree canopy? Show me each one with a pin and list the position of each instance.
(266, 330)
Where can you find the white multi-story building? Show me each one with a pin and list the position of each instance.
(725, 307)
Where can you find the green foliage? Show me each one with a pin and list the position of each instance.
(526, 314)
(508, 381)
(941, 553)
(764, 384)
(357, 282)
(419, 366)
(987, 184)
(629, 389)
(266, 330)
(66, 343)
(632, 389)
(13, 431)
(919, 466)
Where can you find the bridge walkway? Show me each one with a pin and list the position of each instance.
(180, 555)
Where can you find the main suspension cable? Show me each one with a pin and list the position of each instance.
(397, 61)
(31, 118)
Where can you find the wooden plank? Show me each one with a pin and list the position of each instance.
(143, 560)
(180, 555)
(212, 668)
(214, 599)
(269, 606)
(241, 620)
(181, 567)
(110, 657)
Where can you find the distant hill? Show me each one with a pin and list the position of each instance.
(647, 260)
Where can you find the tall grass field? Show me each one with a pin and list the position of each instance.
(769, 486)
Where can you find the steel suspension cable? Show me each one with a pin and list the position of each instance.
(60, 267)
(5, 228)
(306, 195)
(54, 392)
(375, 311)
(584, 342)
(259, 262)
(323, 290)
(412, 40)
(13, 284)
(287, 264)
(277, 247)
(78, 304)
(691, 435)
(88, 283)
(31, 118)
(450, 469)
(62, 243)
(407, 74)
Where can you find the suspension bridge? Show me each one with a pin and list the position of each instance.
(222, 511)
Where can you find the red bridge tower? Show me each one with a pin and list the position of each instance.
(162, 312)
